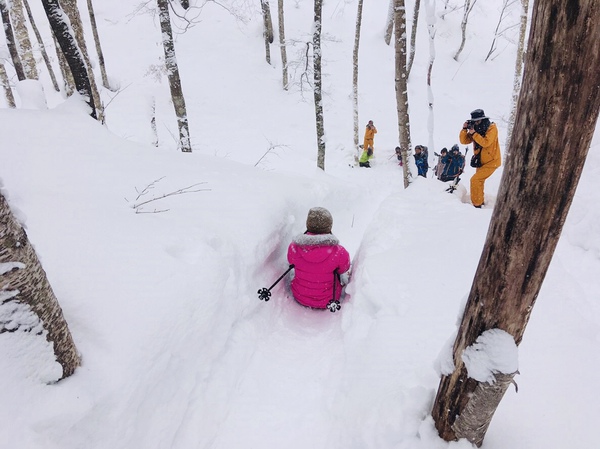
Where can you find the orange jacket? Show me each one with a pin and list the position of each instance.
(490, 151)
(369, 135)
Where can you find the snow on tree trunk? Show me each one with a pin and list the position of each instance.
(11, 42)
(518, 68)
(105, 82)
(552, 135)
(24, 283)
(430, 13)
(72, 11)
(22, 40)
(401, 82)
(42, 47)
(413, 36)
(282, 45)
(173, 75)
(267, 28)
(69, 81)
(68, 45)
(318, 94)
(355, 77)
(389, 28)
(10, 98)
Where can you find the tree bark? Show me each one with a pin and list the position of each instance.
(65, 70)
(173, 75)
(105, 82)
(318, 94)
(555, 124)
(10, 98)
(24, 282)
(413, 36)
(282, 45)
(68, 45)
(268, 28)
(389, 28)
(11, 42)
(401, 82)
(355, 77)
(42, 47)
(23, 41)
(463, 26)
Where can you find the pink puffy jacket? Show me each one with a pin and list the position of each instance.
(315, 257)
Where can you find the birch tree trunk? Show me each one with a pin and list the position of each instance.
(318, 94)
(552, 135)
(355, 77)
(430, 13)
(69, 48)
(173, 75)
(72, 11)
(518, 68)
(25, 287)
(413, 36)
(65, 70)
(389, 28)
(268, 28)
(22, 40)
(463, 26)
(10, 41)
(282, 45)
(10, 98)
(105, 82)
(401, 82)
(42, 47)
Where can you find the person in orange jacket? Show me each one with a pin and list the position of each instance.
(486, 151)
(369, 136)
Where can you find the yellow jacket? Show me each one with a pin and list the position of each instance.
(490, 151)
(369, 136)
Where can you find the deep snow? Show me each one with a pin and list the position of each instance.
(178, 352)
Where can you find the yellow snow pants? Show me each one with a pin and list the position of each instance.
(477, 181)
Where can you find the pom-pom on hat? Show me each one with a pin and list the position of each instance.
(319, 221)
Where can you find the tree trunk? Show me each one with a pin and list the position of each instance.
(72, 11)
(23, 41)
(105, 82)
(413, 36)
(282, 45)
(24, 283)
(10, 41)
(42, 48)
(401, 82)
(518, 68)
(268, 28)
(555, 124)
(463, 26)
(68, 45)
(318, 94)
(389, 28)
(173, 75)
(10, 98)
(355, 77)
(430, 13)
(65, 70)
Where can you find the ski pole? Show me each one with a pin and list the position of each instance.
(265, 293)
(334, 305)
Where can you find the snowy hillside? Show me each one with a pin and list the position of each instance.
(177, 350)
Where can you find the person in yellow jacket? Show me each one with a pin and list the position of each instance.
(486, 151)
(369, 136)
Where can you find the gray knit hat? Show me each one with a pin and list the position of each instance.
(319, 221)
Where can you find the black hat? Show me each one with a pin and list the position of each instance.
(478, 114)
(455, 148)
(319, 221)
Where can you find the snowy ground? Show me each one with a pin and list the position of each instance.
(177, 350)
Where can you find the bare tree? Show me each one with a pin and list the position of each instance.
(22, 39)
(68, 45)
(282, 44)
(268, 28)
(518, 68)
(173, 75)
(10, 98)
(105, 82)
(430, 14)
(355, 76)
(389, 28)
(401, 81)
(506, 4)
(42, 47)
(69, 81)
(557, 117)
(318, 85)
(10, 41)
(463, 26)
(25, 288)
(413, 35)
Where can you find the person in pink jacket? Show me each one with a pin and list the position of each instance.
(318, 261)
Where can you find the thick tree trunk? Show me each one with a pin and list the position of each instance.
(11, 42)
(282, 44)
(318, 94)
(173, 74)
(401, 82)
(105, 82)
(355, 77)
(68, 45)
(24, 283)
(42, 47)
(23, 41)
(10, 98)
(554, 127)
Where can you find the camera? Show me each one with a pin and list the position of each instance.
(470, 124)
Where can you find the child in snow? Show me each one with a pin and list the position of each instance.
(319, 262)
(438, 170)
(421, 160)
(454, 164)
(364, 158)
(398, 151)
